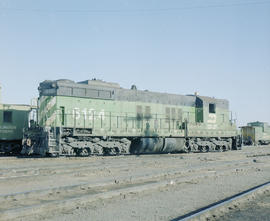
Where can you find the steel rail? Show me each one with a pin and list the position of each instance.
(219, 204)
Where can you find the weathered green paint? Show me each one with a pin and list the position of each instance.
(119, 118)
(13, 130)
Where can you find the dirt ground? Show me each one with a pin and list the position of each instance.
(145, 187)
(257, 209)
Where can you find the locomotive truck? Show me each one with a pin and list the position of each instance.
(102, 118)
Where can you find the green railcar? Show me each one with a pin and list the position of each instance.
(13, 118)
(256, 133)
(96, 117)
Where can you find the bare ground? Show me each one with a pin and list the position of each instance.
(146, 187)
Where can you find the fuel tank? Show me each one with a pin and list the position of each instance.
(157, 145)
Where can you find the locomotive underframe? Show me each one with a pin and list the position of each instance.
(10, 146)
(81, 142)
(250, 142)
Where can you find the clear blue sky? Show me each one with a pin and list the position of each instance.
(218, 48)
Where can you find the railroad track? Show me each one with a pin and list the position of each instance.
(66, 197)
(88, 167)
(21, 204)
(211, 211)
(88, 173)
(58, 186)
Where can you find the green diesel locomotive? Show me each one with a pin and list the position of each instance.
(101, 118)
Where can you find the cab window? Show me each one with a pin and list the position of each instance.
(7, 117)
(212, 108)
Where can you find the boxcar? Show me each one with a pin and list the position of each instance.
(256, 133)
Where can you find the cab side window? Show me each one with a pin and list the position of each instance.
(212, 108)
(7, 118)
